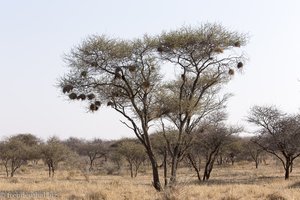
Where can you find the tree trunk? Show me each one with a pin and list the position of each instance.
(6, 168)
(174, 165)
(12, 169)
(205, 174)
(194, 165)
(287, 169)
(165, 167)
(53, 169)
(287, 173)
(131, 170)
(136, 171)
(91, 164)
(155, 174)
(256, 163)
(49, 169)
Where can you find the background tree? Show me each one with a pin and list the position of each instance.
(54, 152)
(94, 149)
(253, 150)
(279, 134)
(17, 151)
(208, 141)
(205, 61)
(134, 154)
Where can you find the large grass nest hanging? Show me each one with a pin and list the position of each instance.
(240, 65)
(160, 49)
(97, 103)
(81, 96)
(93, 107)
(91, 96)
(94, 64)
(231, 72)
(83, 74)
(132, 68)
(110, 103)
(117, 75)
(73, 96)
(237, 44)
(67, 88)
(146, 84)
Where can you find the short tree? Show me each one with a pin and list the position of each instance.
(254, 151)
(17, 151)
(134, 154)
(94, 149)
(53, 152)
(279, 134)
(208, 141)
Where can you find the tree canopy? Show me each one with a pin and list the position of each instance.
(126, 75)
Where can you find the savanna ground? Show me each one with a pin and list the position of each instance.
(240, 181)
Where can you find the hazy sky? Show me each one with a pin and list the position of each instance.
(34, 36)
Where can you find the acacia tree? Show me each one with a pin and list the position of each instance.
(94, 149)
(54, 152)
(279, 134)
(208, 141)
(204, 60)
(254, 151)
(125, 75)
(17, 150)
(134, 154)
(122, 74)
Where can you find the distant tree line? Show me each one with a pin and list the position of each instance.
(215, 144)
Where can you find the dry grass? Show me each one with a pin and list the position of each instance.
(237, 182)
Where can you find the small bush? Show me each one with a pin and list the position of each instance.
(295, 185)
(14, 180)
(275, 196)
(74, 197)
(95, 196)
(230, 198)
(171, 193)
(71, 175)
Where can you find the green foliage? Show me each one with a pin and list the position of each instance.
(17, 150)
(126, 75)
(54, 152)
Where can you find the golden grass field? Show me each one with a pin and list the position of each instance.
(241, 181)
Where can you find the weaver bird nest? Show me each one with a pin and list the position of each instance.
(81, 96)
(240, 65)
(93, 107)
(97, 103)
(73, 96)
(90, 96)
(67, 88)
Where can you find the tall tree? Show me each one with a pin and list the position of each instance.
(125, 75)
(279, 134)
(122, 74)
(204, 60)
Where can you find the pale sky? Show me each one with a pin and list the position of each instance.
(35, 35)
